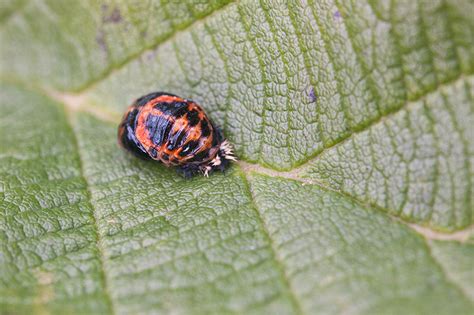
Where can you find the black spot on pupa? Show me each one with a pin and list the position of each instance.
(201, 156)
(158, 129)
(151, 124)
(175, 109)
(132, 115)
(153, 153)
(205, 131)
(215, 138)
(176, 139)
(193, 118)
(189, 148)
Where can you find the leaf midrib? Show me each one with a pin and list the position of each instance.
(281, 267)
(94, 218)
(445, 273)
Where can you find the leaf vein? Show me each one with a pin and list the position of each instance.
(179, 29)
(93, 216)
(382, 118)
(282, 270)
(370, 82)
(444, 272)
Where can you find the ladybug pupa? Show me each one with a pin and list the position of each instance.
(175, 131)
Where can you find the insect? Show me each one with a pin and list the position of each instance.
(175, 131)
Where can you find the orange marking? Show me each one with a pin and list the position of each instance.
(180, 123)
(141, 132)
(198, 108)
(165, 99)
(193, 133)
(205, 143)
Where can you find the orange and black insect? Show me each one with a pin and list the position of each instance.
(175, 131)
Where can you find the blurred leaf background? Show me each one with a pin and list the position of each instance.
(353, 121)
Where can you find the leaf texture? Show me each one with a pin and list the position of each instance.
(354, 121)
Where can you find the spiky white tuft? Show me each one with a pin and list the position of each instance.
(227, 151)
(216, 161)
(205, 170)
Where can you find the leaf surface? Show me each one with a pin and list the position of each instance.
(353, 120)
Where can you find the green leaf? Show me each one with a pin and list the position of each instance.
(456, 260)
(415, 164)
(353, 121)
